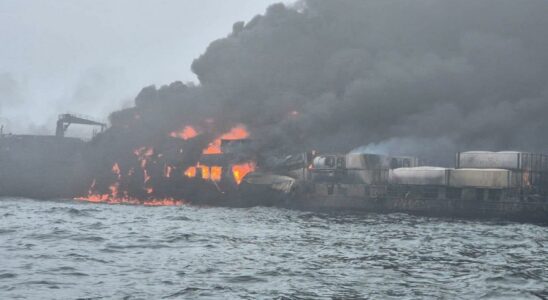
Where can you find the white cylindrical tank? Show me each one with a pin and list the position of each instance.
(419, 176)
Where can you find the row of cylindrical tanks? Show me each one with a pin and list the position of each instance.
(479, 169)
(509, 185)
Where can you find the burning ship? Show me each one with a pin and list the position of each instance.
(302, 78)
(228, 171)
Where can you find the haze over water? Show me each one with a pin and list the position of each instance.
(74, 250)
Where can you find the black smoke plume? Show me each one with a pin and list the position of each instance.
(424, 78)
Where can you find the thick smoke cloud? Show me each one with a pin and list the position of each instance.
(420, 78)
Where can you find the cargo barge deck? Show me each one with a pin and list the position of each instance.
(494, 185)
(473, 204)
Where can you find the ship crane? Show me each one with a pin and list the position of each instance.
(65, 120)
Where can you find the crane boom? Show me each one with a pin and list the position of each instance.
(65, 120)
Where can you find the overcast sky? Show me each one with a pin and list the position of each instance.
(93, 56)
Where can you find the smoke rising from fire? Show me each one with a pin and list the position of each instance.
(420, 78)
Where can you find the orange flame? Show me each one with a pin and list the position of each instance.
(108, 199)
(240, 170)
(236, 133)
(208, 173)
(115, 196)
(147, 154)
(164, 202)
(205, 172)
(190, 172)
(186, 133)
(216, 173)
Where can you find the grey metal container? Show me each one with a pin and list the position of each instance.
(485, 178)
(419, 176)
(512, 160)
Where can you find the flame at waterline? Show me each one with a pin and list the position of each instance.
(115, 196)
(108, 199)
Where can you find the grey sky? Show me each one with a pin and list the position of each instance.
(93, 57)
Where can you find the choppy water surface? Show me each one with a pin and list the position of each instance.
(71, 250)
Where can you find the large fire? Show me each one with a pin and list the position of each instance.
(214, 173)
(146, 167)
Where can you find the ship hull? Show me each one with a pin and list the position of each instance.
(508, 205)
(42, 167)
(532, 212)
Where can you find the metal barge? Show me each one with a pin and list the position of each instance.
(502, 185)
